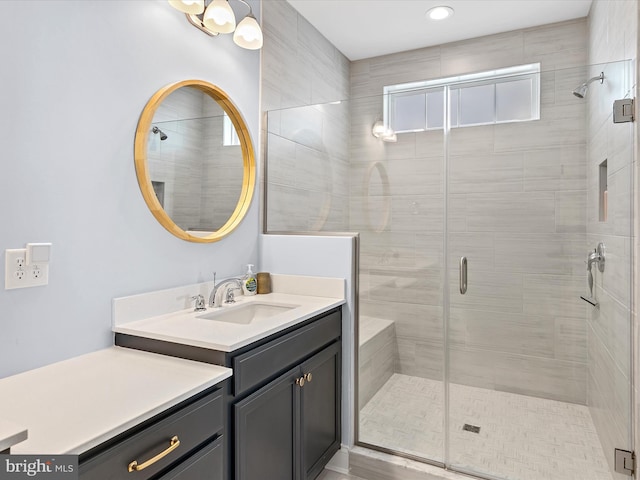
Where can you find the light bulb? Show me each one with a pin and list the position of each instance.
(193, 7)
(219, 17)
(439, 13)
(248, 33)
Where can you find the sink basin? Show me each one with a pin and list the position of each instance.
(247, 314)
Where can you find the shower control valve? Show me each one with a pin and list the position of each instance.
(597, 257)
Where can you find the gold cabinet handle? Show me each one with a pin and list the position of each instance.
(134, 467)
(300, 381)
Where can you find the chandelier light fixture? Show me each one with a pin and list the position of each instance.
(214, 17)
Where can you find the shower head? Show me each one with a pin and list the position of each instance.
(581, 91)
(156, 130)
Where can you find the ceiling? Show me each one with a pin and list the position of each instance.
(368, 28)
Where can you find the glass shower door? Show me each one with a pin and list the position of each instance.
(538, 378)
(397, 205)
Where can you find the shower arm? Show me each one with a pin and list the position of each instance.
(599, 77)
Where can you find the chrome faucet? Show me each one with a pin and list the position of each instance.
(224, 289)
(199, 306)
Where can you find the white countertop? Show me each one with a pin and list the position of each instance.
(10, 434)
(186, 328)
(71, 406)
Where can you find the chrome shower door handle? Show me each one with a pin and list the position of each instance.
(463, 275)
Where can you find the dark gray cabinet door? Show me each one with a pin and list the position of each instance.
(267, 431)
(289, 429)
(320, 410)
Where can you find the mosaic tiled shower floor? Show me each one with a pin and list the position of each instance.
(520, 438)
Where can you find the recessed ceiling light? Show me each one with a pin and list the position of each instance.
(439, 13)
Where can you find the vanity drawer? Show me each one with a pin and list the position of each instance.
(192, 425)
(265, 362)
(206, 464)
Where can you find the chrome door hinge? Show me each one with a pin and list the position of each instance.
(625, 462)
(623, 110)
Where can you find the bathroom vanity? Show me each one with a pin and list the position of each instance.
(248, 392)
(283, 402)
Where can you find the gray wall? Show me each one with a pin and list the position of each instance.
(221, 176)
(517, 201)
(308, 147)
(613, 29)
(75, 79)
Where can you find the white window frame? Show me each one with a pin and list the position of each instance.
(229, 135)
(491, 77)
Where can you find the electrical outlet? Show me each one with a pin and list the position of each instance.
(20, 275)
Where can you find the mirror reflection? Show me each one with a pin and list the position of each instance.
(194, 160)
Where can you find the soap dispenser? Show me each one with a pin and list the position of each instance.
(249, 283)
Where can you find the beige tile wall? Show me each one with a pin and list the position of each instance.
(517, 211)
(222, 174)
(202, 177)
(376, 356)
(307, 139)
(613, 37)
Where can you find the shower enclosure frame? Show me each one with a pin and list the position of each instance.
(446, 283)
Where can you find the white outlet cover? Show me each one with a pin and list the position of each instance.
(17, 274)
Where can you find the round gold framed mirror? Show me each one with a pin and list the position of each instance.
(194, 161)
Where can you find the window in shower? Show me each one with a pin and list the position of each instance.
(229, 135)
(497, 96)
